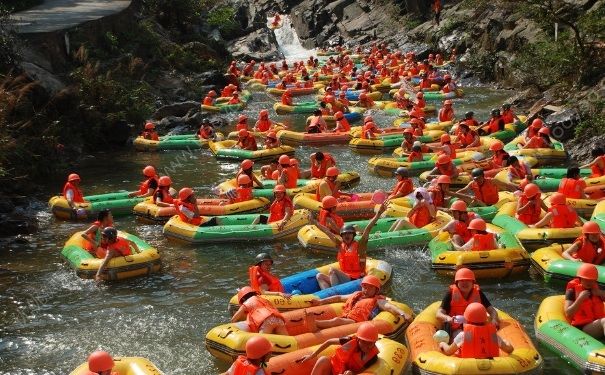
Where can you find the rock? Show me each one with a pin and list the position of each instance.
(211, 78)
(6, 205)
(562, 124)
(258, 45)
(12, 225)
(170, 122)
(50, 82)
(175, 109)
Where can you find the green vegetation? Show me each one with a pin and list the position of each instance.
(593, 119)
(223, 18)
(8, 42)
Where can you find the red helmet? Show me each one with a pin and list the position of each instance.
(371, 280)
(211, 93)
(445, 138)
(537, 123)
(417, 121)
(419, 95)
(544, 130)
(243, 133)
(243, 292)
(242, 118)
(496, 146)
(475, 313)
(443, 179)
(558, 198)
(590, 227)
(447, 102)
(247, 164)
(73, 177)
(149, 126)
(408, 131)
(464, 274)
(531, 190)
(149, 171)
(257, 347)
(444, 159)
(284, 159)
(185, 193)
(367, 332)
(100, 361)
(588, 271)
(243, 179)
(164, 181)
(263, 112)
(279, 188)
(477, 224)
(332, 172)
(328, 202)
(459, 206)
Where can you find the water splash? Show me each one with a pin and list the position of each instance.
(289, 44)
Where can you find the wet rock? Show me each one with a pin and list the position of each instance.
(51, 83)
(6, 205)
(562, 124)
(211, 78)
(175, 109)
(258, 45)
(170, 122)
(12, 225)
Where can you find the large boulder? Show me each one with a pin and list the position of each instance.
(175, 109)
(258, 45)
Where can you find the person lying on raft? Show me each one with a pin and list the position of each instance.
(261, 278)
(584, 301)
(351, 254)
(480, 240)
(114, 247)
(359, 306)
(559, 215)
(589, 247)
(479, 338)
(92, 235)
(260, 315)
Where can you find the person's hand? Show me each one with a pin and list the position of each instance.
(98, 278)
(442, 346)
(315, 302)
(306, 358)
(405, 316)
(584, 295)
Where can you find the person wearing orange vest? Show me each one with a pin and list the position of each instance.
(448, 84)
(420, 102)
(260, 315)
(351, 253)
(484, 189)
(149, 132)
(286, 98)
(206, 130)
(573, 185)
(316, 123)
(267, 170)
(508, 116)
(458, 226)
(404, 185)
(92, 235)
(280, 210)
(584, 301)
(425, 83)
(598, 164)
(228, 90)
(330, 186)
(162, 197)
(589, 247)
(247, 168)
(320, 163)
(479, 338)
(481, 240)
(258, 352)
(446, 147)
(246, 141)
(541, 140)
(343, 102)
(353, 356)
(147, 187)
(408, 140)
(495, 124)
(365, 101)
(532, 130)
(468, 137)
(416, 154)
(423, 212)
(470, 120)
(262, 280)
(342, 124)
(210, 98)
(263, 123)
(443, 165)
(72, 192)
(271, 141)
(234, 98)
(446, 113)
(518, 170)
(100, 363)
(289, 174)
(460, 294)
(439, 191)
(244, 189)
(497, 162)
(328, 216)
(112, 247)
(186, 207)
(530, 205)
(242, 123)
(369, 131)
(559, 215)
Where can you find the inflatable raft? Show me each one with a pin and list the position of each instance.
(173, 142)
(222, 106)
(125, 366)
(386, 166)
(148, 212)
(119, 203)
(427, 359)
(298, 108)
(277, 126)
(362, 208)
(555, 331)
(387, 143)
(549, 262)
(546, 156)
(293, 138)
(225, 150)
(303, 286)
(228, 341)
(86, 265)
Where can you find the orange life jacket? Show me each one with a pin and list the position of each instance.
(234, 100)
(349, 261)
(263, 125)
(121, 246)
(277, 211)
(467, 139)
(461, 227)
(206, 132)
(458, 303)
(452, 150)
(368, 129)
(482, 242)
(318, 170)
(425, 84)
(349, 357)
(286, 99)
(563, 216)
(519, 172)
(358, 308)
(498, 159)
(258, 277)
(144, 187)
(292, 174)
(480, 341)
(335, 193)
(446, 169)
(150, 134)
(209, 100)
(78, 197)
(248, 143)
(446, 114)
(588, 252)
(486, 193)
(243, 194)
(421, 217)
(325, 214)
(258, 310)
(571, 187)
(243, 367)
(404, 187)
(421, 103)
(415, 156)
(190, 206)
(438, 196)
(343, 126)
(165, 195)
(532, 214)
(590, 310)
(508, 117)
(536, 142)
(598, 171)
(494, 125)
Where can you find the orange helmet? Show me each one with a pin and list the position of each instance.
(247, 164)
(185, 193)
(100, 361)
(537, 123)
(332, 172)
(475, 313)
(149, 171)
(408, 131)
(459, 206)
(477, 224)
(590, 227)
(531, 190)
(588, 271)
(243, 292)
(443, 179)
(368, 119)
(443, 159)
(263, 112)
(417, 121)
(279, 188)
(363, 96)
(447, 102)
(242, 118)
(544, 130)
(329, 98)
(367, 332)
(497, 146)
(293, 161)
(257, 347)
(73, 177)
(558, 198)
(243, 179)
(371, 280)
(284, 159)
(445, 138)
(149, 126)
(328, 202)
(419, 95)
(243, 133)
(211, 93)
(164, 181)
(464, 274)
(339, 115)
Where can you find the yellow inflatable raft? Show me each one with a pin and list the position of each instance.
(277, 126)
(125, 366)
(225, 150)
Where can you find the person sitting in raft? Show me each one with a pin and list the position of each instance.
(286, 98)
(479, 338)
(289, 174)
(439, 191)
(261, 278)
(572, 186)
(468, 137)
(72, 192)
(508, 115)
(404, 185)
(100, 363)
(423, 212)
(458, 226)
(114, 247)
(559, 215)
(448, 84)
(359, 306)
(480, 240)
(443, 166)
(210, 98)
(408, 140)
(320, 163)
(497, 162)
(280, 210)
(263, 124)
(328, 216)
(484, 189)
(460, 294)
(242, 123)
(162, 196)
(365, 101)
(271, 141)
(353, 356)
(258, 352)
(416, 154)
(260, 315)
(92, 235)
(530, 205)
(351, 254)
(150, 133)
(316, 123)
(518, 169)
(542, 140)
(234, 99)
(446, 147)
(244, 189)
(597, 166)
(589, 247)
(186, 207)
(149, 186)
(247, 168)
(343, 103)
(584, 301)
(268, 170)
(246, 141)
(446, 113)
(206, 130)
(369, 131)
(342, 124)
(420, 102)
(330, 186)
(495, 124)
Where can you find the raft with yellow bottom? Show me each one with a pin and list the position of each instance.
(226, 150)
(428, 359)
(362, 208)
(174, 142)
(549, 262)
(144, 263)
(293, 138)
(125, 366)
(119, 203)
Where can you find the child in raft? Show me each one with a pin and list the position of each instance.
(258, 352)
(92, 235)
(114, 247)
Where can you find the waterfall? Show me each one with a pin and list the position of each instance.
(289, 44)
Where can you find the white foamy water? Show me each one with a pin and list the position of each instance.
(289, 44)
